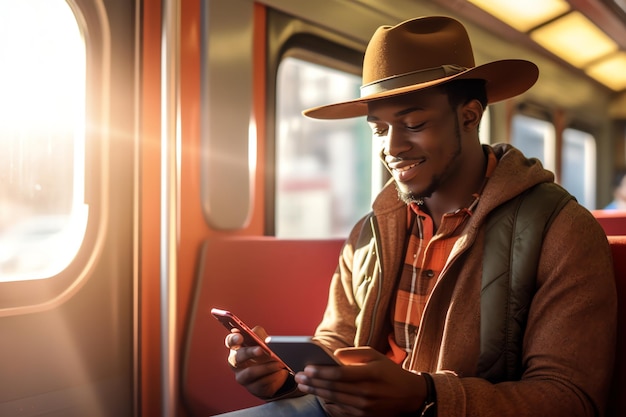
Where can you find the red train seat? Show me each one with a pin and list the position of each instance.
(612, 221)
(283, 285)
(279, 284)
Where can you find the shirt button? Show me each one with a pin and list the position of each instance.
(429, 273)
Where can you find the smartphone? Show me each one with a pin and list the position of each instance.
(230, 321)
(300, 351)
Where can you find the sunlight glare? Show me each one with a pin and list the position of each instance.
(42, 134)
(42, 76)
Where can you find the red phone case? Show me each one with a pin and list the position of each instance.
(231, 321)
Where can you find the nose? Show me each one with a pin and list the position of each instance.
(395, 143)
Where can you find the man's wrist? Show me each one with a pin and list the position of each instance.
(288, 389)
(429, 408)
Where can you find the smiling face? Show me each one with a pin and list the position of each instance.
(422, 143)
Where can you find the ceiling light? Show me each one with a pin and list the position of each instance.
(523, 15)
(610, 71)
(575, 39)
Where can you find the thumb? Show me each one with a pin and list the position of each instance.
(260, 331)
(357, 355)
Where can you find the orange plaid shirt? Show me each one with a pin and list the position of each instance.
(426, 254)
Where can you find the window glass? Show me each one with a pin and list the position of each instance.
(323, 168)
(535, 138)
(42, 137)
(579, 166)
(484, 130)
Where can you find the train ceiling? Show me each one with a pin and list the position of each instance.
(590, 35)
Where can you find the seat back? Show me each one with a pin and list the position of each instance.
(279, 284)
(612, 221)
(283, 285)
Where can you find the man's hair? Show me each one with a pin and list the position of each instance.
(460, 92)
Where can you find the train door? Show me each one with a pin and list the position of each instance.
(244, 170)
(67, 183)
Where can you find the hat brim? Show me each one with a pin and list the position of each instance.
(504, 79)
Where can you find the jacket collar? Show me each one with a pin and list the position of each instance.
(513, 175)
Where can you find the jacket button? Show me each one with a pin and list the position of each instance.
(429, 273)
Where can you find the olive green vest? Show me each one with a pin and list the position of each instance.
(513, 240)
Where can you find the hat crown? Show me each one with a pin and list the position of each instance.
(416, 45)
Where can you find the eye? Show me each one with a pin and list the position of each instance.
(379, 130)
(415, 128)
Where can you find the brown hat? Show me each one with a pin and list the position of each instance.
(421, 53)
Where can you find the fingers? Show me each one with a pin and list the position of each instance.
(343, 396)
(357, 372)
(262, 382)
(234, 340)
(372, 388)
(362, 379)
(251, 370)
(256, 371)
(243, 357)
(327, 381)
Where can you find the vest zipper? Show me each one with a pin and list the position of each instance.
(374, 226)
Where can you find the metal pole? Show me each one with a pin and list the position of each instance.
(170, 140)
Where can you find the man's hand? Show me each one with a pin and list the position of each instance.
(253, 367)
(370, 384)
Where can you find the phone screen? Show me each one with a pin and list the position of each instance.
(300, 351)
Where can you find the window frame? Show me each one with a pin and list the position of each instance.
(291, 37)
(590, 186)
(27, 296)
(549, 148)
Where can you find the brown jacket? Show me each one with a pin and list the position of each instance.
(569, 342)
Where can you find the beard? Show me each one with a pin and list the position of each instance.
(409, 197)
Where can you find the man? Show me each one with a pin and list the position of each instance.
(407, 311)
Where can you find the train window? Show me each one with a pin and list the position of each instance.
(484, 131)
(535, 138)
(323, 169)
(578, 174)
(42, 135)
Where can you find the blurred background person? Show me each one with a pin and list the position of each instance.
(619, 192)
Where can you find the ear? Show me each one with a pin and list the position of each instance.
(471, 113)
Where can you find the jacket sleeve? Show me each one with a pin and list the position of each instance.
(569, 342)
(338, 326)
